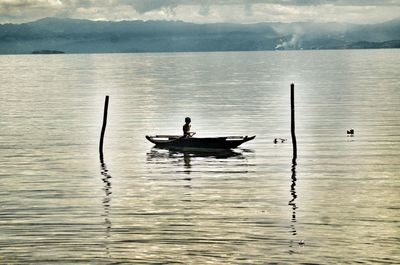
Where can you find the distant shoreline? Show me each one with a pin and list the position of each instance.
(161, 52)
(48, 52)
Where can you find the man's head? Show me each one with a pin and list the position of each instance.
(187, 120)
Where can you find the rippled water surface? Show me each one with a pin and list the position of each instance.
(339, 204)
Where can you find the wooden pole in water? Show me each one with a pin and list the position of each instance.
(292, 127)
(103, 129)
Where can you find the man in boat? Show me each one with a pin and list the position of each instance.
(186, 128)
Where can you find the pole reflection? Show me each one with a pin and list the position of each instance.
(106, 178)
(292, 202)
(293, 193)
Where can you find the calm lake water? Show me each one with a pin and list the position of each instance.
(340, 204)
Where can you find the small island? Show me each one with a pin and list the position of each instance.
(47, 52)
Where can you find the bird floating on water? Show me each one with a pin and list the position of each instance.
(350, 132)
(279, 139)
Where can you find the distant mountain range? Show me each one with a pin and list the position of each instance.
(85, 36)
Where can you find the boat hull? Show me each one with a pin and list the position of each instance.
(194, 142)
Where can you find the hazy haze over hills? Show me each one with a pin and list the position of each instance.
(85, 36)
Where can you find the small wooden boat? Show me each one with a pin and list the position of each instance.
(178, 141)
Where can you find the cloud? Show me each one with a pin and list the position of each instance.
(143, 6)
(204, 11)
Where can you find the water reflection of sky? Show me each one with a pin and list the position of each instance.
(186, 207)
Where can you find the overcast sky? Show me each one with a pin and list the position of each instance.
(204, 11)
